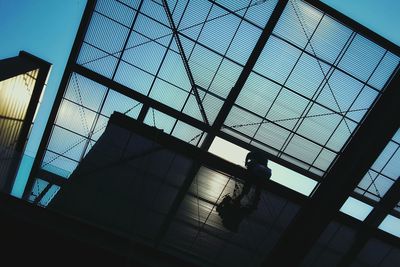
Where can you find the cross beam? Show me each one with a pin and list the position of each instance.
(364, 148)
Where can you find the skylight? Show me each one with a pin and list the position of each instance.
(280, 174)
(391, 225)
(310, 88)
(383, 173)
(356, 209)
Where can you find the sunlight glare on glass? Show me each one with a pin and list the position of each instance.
(228, 151)
(292, 179)
(280, 174)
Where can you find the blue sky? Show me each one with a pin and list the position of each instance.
(47, 28)
(380, 16)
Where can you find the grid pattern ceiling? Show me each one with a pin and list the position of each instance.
(309, 90)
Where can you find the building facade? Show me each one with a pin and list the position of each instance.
(22, 81)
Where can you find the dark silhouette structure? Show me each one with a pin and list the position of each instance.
(310, 88)
(245, 199)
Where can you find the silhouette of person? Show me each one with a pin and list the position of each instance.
(233, 210)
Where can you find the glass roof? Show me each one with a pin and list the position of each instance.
(391, 225)
(308, 92)
(356, 209)
(310, 89)
(174, 65)
(383, 173)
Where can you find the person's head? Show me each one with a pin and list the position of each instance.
(256, 157)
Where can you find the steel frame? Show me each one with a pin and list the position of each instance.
(339, 182)
(370, 139)
(371, 223)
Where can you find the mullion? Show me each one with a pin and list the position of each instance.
(42, 194)
(223, 56)
(317, 94)
(58, 155)
(131, 47)
(208, 48)
(184, 59)
(343, 118)
(156, 75)
(128, 6)
(387, 162)
(372, 183)
(110, 18)
(196, 41)
(145, 71)
(112, 78)
(78, 104)
(298, 94)
(379, 173)
(235, 14)
(73, 132)
(188, 58)
(324, 61)
(226, 51)
(272, 148)
(190, 93)
(276, 124)
(366, 191)
(325, 81)
(287, 78)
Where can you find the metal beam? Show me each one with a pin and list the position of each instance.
(52, 179)
(204, 158)
(235, 91)
(26, 223)
(367, 143)
(215, 163)
(14, 66)
(200, 158)
(185, 62)
(140, 97)
(63, 85)
(371, 223)
(274, 158)
(222, 115)
(42, 194)
(97, 116)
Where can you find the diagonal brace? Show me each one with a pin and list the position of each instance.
(185, 62)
